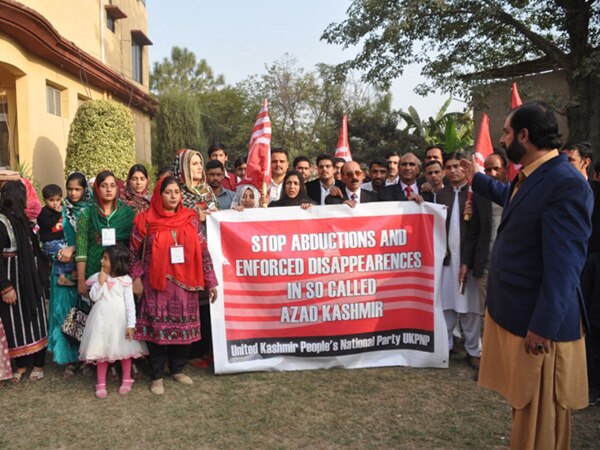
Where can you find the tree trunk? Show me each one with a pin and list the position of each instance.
(583, 111)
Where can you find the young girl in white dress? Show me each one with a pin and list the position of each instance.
(108, 334)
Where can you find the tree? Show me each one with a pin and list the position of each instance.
(177, 125)
(452, 129)
(183, 74)
(101, 136)
(455, 38)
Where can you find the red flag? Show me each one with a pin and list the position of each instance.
(258, 170)
(343, 148)
(483, 146)
(516, 98)
(514, 169)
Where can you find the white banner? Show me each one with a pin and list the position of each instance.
(330, 286)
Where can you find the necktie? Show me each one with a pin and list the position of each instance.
(520, 178)
(353, 197)
(408, 191)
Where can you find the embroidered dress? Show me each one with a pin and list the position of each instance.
(113, 312)
(5, 369)
(169, 310)
(138, 202)
(62, 298)
(24, 322)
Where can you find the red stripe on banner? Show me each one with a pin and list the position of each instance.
(399, 319)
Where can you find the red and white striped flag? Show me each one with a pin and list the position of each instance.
(258, 170)
(343, 147)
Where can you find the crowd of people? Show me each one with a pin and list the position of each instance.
(141, 258)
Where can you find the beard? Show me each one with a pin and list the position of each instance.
(515, 151)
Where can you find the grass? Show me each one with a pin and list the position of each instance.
(400, 408)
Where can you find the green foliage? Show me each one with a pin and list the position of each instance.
(182, 73)
(454, 38)
(452, 129)
(101, 137)
(177, 125)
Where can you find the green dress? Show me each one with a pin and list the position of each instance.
(89, 233)
(62, 298)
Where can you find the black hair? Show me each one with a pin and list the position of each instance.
(217, 146)
(169, 179)
(80, 179)
(214, 164)
(324, 156)
(137, 168)
(302, 195)
(392, 153)
(378, 162)
(163, 171)
(103, 176)
(338, 160)
(431, 147)
(279, 150)
(500, 154)
(540, 121)
(51, 190)
(13, 198)
(584, 148)
(299, 159)
(433, 162)
(454, 155)
(118, 255)
(240, 160)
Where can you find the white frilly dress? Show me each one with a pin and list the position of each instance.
(113, 312)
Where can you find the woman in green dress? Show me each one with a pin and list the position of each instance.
(65, 351)
(107, 221)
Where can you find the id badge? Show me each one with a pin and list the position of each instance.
(108, 237)
(177, 254)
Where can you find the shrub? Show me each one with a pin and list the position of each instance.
(101, 137)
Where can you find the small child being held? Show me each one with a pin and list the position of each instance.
(50, 222)
(108, 333)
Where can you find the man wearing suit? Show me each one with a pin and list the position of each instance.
(482, 228)
(326, 184)
(352, 194)
(407, 188)
(580, 156)
(533, 346)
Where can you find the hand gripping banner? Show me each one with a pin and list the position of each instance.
(330, 286)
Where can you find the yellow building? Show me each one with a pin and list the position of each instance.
(56, 54)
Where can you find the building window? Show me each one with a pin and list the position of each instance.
(138, 41)
(53, 99)
(137, 61)
(113, 13)
(110, 22)
(4, 135)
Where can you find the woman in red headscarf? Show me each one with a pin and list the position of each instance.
(170, 265)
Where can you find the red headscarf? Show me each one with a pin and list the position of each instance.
(162, 224)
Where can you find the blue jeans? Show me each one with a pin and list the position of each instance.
(51, 248)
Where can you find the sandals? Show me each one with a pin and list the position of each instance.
(157, 387)
(16, 378)
(101, 391)
(182, 378)
(126, 386)
(36, 375)
(69, 371)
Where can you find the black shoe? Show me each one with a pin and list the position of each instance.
(594, 395)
